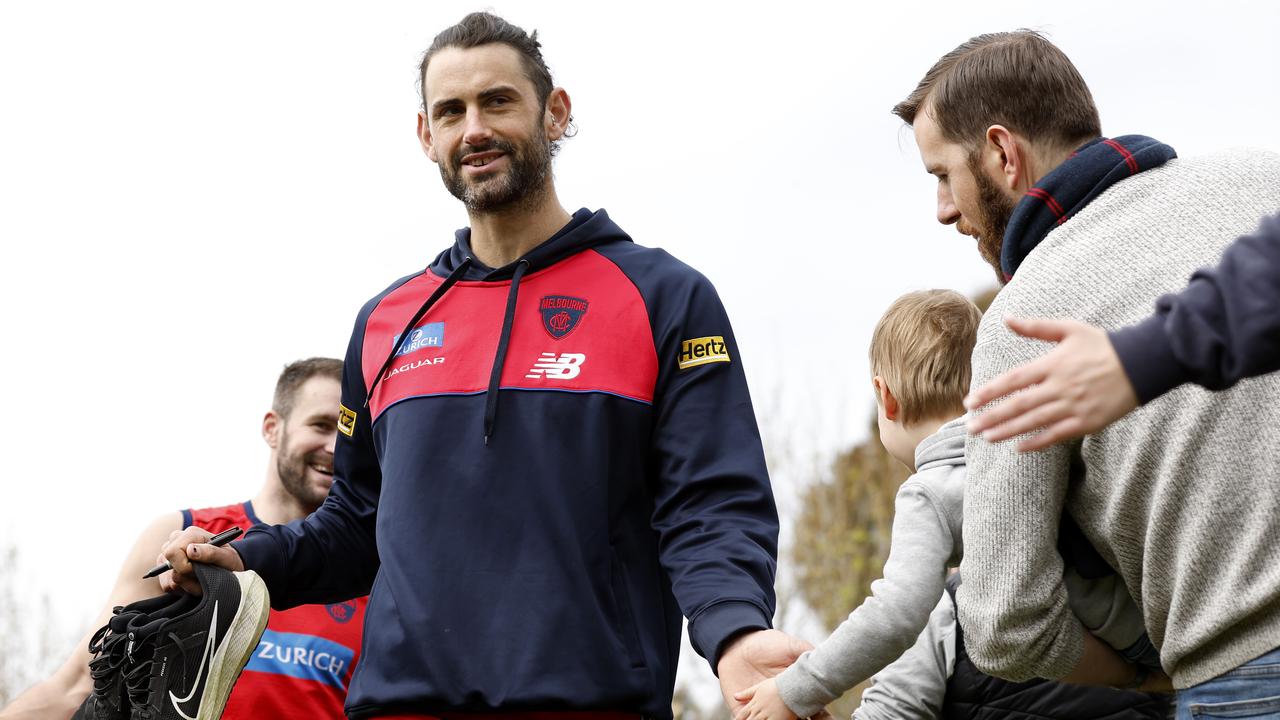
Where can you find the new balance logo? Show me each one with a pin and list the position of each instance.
(565, 366)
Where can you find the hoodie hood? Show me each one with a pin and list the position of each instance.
(584, 230)
(945, 447)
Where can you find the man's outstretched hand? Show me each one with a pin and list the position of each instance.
(192, 545)
(753, 657)
(1077, 388)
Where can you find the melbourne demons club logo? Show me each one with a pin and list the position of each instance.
(561, 314)
(342, 612)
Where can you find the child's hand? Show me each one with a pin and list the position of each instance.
(762, 703)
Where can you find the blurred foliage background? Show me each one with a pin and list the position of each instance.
(32, 641)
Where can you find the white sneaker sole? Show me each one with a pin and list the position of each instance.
(237, 646)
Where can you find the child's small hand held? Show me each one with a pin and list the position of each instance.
(763, 702)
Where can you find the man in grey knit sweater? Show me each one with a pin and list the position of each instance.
(1182, 497)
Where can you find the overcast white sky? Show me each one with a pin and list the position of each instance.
(193, 195)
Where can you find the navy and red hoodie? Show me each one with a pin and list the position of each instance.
(1224, 327)
(541, 468)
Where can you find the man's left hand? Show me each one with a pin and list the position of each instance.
(753, 657)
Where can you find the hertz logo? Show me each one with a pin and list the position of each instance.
(703, 350)
(346, 420)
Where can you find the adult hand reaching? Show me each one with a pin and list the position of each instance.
(1078, 388)
(192, 545)
(753, 657)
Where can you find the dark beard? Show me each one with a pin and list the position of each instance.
(292, 470)
(995, 209)
(522, 187)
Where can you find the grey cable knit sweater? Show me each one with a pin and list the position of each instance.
(1182, 496)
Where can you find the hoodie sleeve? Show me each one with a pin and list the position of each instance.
(713, 505)
(887, 623)
(330, 555)
(1219, 330)
(914, 686)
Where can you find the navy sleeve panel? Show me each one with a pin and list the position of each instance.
(1222, 328)
(330, 555)
(713, 506)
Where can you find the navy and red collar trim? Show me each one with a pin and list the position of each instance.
(249, 513)
(1094, 167)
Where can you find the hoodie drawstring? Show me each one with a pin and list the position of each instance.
(495, 374)
(404, 334)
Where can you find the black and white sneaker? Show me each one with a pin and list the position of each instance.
(185, 658)
(109, 699)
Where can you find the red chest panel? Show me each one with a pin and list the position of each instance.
(579, 326)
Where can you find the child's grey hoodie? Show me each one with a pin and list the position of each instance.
(926, 541)
(928, 513)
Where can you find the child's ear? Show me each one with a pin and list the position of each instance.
(886, 399)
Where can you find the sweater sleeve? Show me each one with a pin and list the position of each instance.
(713, 506)
(1223, 327)
(914, 686)
(1013, 604)
(330, 555)
(890, 619)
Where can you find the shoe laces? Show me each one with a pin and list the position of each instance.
(138, 678)
(108, 647)
(110, 656)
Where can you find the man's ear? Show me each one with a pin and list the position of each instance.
(1006, 157)
(887, 401)
(272, 425)
(559, 111)
(424, 137)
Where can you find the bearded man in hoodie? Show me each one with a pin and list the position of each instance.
(548, 452)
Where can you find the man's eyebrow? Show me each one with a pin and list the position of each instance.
(499, 90)
(484, 95)
(443, 102)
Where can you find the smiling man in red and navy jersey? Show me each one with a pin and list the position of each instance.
(304, 661)
(548, 452)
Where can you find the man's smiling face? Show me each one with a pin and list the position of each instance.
(304, 457)
(484, 126)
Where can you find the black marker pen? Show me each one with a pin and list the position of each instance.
(218, 540)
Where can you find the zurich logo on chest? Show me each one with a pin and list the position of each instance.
(423, 336)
